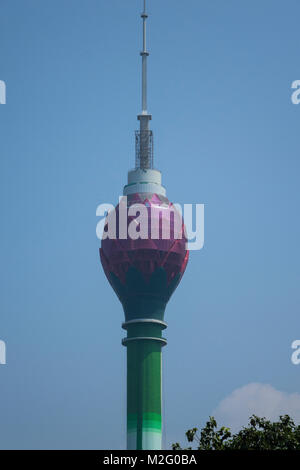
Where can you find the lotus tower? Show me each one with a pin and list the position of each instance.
(144, 271)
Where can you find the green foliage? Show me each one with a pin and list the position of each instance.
(260, 434)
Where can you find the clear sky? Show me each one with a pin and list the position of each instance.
(226, 135)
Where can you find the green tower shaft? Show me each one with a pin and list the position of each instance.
(144, 383)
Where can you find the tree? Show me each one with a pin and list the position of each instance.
(260, 434)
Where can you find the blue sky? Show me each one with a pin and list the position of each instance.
(226, 135)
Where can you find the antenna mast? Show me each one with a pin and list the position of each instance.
(144, 55)
(144, 137)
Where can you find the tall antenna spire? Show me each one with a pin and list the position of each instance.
(144, 55)
(144, 137)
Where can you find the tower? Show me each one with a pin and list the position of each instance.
(144, 270)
